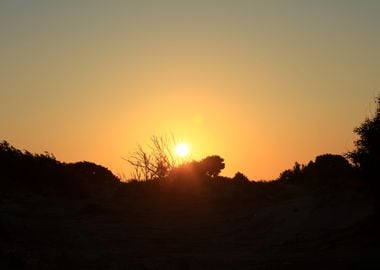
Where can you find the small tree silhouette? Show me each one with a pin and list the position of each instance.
(212, 165)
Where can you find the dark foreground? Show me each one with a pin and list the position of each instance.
(56, 215)
(200, 225)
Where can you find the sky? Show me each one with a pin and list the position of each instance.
(261, 83)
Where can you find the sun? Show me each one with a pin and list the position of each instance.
(182, 149)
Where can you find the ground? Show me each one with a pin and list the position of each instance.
(205, 226)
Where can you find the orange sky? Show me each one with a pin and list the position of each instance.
(261, 83)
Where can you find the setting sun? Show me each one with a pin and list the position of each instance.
(182, 149)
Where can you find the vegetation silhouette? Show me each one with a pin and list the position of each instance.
(327, 169)
(185, 215)
(158, 162)
(155, 163)
(42, 174)
(240, 177)
(366, 155)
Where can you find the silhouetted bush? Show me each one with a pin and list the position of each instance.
(90, 177)
(329, 166)
(294, 174)
(89, 171)
(240, 177)
(327, 169)
(209, 167)
(189, 170)
(22, 171)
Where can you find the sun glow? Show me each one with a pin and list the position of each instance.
(182, 150)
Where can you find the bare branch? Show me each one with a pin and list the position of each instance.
(155, 164)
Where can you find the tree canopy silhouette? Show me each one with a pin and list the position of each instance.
(327, 169)
(366, 156)
(212, 165)
(43, 174)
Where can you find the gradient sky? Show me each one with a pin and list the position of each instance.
(261, 83)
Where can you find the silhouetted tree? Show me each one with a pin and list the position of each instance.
(366, 156)
(212, 165)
